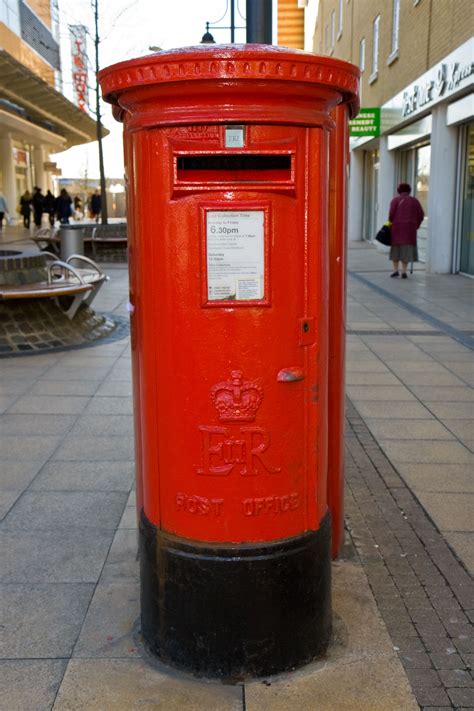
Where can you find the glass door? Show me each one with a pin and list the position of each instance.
(414, 169)
(371, 185)
(466, 264)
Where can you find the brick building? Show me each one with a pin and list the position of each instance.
(35, 118)
(416, 59)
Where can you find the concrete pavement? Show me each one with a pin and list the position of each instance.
(402, 595)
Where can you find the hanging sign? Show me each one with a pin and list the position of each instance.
(367, 123)
(78, 35)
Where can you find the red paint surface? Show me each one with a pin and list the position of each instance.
(227, 451)
(338, 165)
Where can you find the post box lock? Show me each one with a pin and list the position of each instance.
(307, 331)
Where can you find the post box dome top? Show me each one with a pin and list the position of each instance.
(209, 73)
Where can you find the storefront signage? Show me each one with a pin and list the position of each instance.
(453, 74)
(78, 34)
(367, 123)
(49, 165)
(449, 78)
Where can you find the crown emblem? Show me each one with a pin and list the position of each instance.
(237, 400)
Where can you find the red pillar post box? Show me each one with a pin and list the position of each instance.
(227, 152)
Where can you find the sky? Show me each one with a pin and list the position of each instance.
(128, 28)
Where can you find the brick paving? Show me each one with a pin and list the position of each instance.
(422, 590)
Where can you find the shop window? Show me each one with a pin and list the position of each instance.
(375, 49)
(422, 175)
(466, 264)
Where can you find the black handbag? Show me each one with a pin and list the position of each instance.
(384, 235)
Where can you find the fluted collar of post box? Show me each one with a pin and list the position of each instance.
(205, 72)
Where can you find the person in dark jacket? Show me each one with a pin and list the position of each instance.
(96, 205)
(406, 215)
(38, 206)
(25, 208)
(64, 207)
(49, 206)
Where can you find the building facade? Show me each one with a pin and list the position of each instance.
(36, 120)
(417, 89)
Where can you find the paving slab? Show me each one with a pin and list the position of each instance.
(17, 475)
(398, 410)
(402, 428)
(435, 451)
(41, 621)
(48, 510)
(62, 555)
(7, 500)
(443, 393)
(456, 478)
(451, 512)
(115, 388)
(64, 387)
(385, 393)
(28, 685)
(26, 425)
(463, 545)
(109, 626)
(451, 410)
(104, 425)
(27, 448)
(45, 405)
(98, 448)
(109, 406)
(134, 685)
(86, 476)
(122, 560)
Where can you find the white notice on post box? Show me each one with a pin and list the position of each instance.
(235, 255)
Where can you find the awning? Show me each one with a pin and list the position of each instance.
(43, 104)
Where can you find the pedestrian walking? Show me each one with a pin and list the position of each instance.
(64, 207)
(25, 208)
(96, 205)
(3, 209)
(38, 206)
(405, 216)
(49, 203)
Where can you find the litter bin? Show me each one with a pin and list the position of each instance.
(71, 240)
(227, 163)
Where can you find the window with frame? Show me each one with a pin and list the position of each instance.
(341, 18)
(395, 30)
(362, 54)
(375, 48)
(10, 15)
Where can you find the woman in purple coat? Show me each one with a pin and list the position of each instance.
(406, 215)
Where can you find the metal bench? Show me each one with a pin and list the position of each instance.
(48, 238)
(62, 280)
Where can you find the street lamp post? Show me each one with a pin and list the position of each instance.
(207, 38)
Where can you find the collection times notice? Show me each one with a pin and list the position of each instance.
(235, 255)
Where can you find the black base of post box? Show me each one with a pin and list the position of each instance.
(232, 611)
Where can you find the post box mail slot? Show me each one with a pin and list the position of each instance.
(227, 166)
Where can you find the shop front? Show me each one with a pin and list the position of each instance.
(426, 139)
